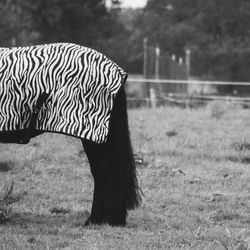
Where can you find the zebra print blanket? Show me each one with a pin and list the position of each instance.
(81, 84)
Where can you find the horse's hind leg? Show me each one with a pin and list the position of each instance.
(113, 168)
(107, 206)
(98, 163)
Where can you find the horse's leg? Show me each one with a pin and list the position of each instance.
(109, 205)
(98, 164)
(113, 168)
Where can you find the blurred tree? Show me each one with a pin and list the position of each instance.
(225, 28)
(87, 22)
(132, 39)
(216, 31)
(14, 23)
(67, 20)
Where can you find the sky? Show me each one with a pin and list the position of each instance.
(134, 3)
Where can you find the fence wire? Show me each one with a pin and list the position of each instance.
(184, 99)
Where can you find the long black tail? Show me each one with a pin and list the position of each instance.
(123, 157)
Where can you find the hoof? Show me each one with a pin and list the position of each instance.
(109, 221)
(87, 222)
(115, 222)
(91, 221)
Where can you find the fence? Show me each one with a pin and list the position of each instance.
(158, 64)
(156, 98)
(166, 79)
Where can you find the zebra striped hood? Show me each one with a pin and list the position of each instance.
(81, 84)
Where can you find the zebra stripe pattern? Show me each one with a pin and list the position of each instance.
(81, 84)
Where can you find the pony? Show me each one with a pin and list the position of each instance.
(110, 156)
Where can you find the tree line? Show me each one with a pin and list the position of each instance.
(216, 31)
(86, 22)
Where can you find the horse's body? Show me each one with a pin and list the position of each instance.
(89, 79)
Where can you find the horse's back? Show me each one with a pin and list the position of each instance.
(81, 85)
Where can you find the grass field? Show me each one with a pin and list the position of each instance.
(193, 167)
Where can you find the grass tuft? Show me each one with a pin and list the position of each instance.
(6, 203)
(59, 210)
(217, 109)
(6, 166)
(171, 133)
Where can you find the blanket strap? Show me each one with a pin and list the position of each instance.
(30, 131)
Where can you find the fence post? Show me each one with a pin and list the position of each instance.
(188, 61)
(13, 42)
(145, 59)
(173, 67)
(152, 98)
(157, 62)
(145, 67)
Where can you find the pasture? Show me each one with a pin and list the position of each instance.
(193, 167)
